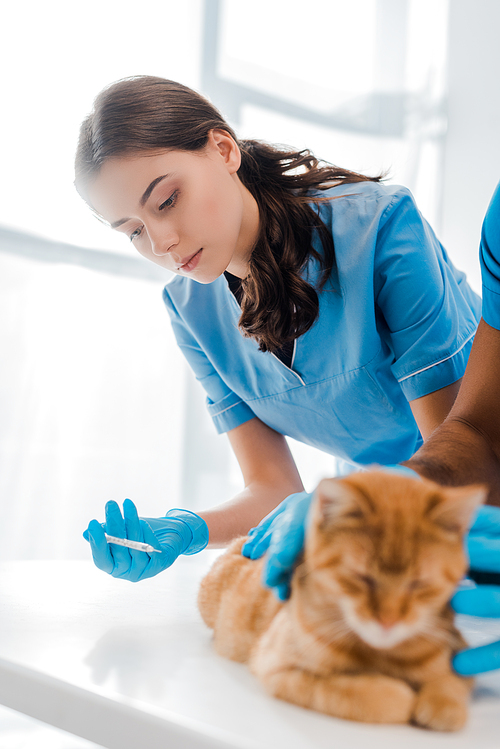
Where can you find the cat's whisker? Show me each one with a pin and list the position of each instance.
(336, 630)
(323, 643)
(433, 632)
(329, 618)
(301, 570)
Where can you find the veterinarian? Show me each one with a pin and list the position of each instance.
(331, 314)
(465, 449)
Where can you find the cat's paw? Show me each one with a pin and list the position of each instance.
(440, 707)
(391, 701)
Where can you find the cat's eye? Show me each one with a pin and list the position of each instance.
(416, 585)
(368, 580)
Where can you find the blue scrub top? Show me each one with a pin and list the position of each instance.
(489, 255)
(396, 322)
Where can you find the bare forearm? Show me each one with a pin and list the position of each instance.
(457, 454)
(245, 510)
(465, 449)
(269, 473)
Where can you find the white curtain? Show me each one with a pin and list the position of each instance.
(92, 393)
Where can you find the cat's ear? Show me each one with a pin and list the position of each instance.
(454, 511)
(335, 498)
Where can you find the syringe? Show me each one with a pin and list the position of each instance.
(136, 545)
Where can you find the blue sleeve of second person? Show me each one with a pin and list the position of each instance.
(430, 312)
(225, 407)
(489, 255)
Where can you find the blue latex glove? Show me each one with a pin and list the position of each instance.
(281, 533)
(481, 601)
(483, 546)
(483, 540)
(179, 532)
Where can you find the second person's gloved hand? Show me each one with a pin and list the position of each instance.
(481, 601)
(483, 546)
(179, 532)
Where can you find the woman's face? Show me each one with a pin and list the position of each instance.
(184, 210)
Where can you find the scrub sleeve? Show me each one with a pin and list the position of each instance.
(226, 408)
(489, 255)
(429, 309)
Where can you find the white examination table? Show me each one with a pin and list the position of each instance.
(130, 666)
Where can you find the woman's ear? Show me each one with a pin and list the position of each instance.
(224, 144)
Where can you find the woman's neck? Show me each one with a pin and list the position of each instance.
(249, 234)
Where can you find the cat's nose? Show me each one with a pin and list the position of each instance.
(387, 619)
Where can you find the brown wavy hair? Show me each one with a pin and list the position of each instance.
(147, 113)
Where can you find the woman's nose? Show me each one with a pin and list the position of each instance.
(159, 249)
(162, 242)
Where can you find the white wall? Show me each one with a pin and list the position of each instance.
(472, 146)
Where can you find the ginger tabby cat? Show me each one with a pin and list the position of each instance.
(367, 633)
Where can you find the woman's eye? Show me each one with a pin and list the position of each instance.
(169, 202)
(135, 234)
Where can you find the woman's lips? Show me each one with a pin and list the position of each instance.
(190, 262)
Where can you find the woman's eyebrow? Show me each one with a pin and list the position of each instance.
(150, 188)
(147, 192)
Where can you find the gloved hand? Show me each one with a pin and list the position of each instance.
(179, 532)
(483, 546)
(281, 533)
